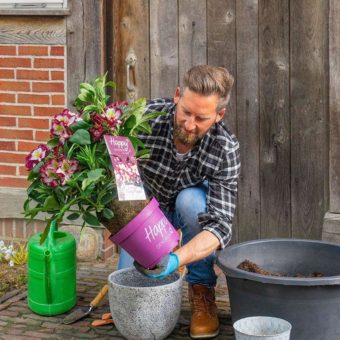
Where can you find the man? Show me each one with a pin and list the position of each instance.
(192, 171)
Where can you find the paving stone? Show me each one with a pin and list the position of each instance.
(90, 279)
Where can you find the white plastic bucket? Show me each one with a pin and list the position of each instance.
(262, 327)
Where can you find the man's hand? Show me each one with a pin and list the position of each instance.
(168, 265)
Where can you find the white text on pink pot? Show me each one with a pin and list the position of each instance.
(161, 228)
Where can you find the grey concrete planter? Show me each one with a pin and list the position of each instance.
(144, 308)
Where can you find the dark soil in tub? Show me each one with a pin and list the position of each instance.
(252, 267)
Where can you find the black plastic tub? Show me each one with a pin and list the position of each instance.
(311, 305)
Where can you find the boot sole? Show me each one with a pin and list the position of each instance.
(204, 336)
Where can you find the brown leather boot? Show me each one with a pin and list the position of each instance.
(204, 321)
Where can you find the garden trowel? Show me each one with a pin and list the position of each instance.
(81, 313)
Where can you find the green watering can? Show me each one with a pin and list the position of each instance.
(52, 272)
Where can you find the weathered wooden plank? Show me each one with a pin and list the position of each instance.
(248, 118)
(84, 44)
(32, 30)
(221, 46)
(274, 118)
(163, 48)
(192, 35)
(334, 105)
(309, 105)
(132, 36)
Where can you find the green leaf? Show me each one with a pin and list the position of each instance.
(80, 125)
(33, 186)
(81, 137)
(143, 153)
(107, 198)
(73, 216)
(51, 203)
(144, 127)
(35, 171)
(111, 84)
(53, 142)
(91, 219)
(136, 143)
(108, 213)
(95, 174)
(87, 86)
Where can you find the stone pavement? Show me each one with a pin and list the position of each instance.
(18, 322)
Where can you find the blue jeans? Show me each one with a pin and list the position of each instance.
(189, 203)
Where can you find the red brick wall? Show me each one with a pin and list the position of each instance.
(32, 90)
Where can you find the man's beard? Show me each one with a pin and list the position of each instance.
(185, 138)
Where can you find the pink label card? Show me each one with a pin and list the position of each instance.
(122, 154)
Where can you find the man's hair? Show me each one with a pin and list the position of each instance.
(207, 80)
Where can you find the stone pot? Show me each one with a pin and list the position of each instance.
(144, 308)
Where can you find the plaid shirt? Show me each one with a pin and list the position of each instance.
(215, 159)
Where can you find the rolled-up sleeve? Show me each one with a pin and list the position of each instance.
(221, 198)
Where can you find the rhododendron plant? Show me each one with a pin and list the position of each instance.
(71, 174)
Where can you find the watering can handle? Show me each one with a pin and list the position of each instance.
(48, 268)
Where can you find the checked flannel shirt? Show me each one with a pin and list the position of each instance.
(215, 159)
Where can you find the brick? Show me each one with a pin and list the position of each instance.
(57, 50)
(47, 63)
(7, 121)
(14, 182)
(3, 323)
(7, 50)
(32, 74)
(8, 98)
(33, 98)
(19, 229)
(33, 50)
(58, 99)
(16, 110)
(35, 123)
(8, 224)
(7, 170)
(27, 146)
(57, 75)
(19, 134)
(22, 171)
(47, 111)
(5, 145)
(12, 157)
(39, 225)
(42, 135)
(6, 73)
(48, 87)
(29, 232)
(14, 86)
(15, 62)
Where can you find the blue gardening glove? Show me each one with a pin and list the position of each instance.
(168, 265)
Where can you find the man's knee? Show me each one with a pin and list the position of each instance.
(191, 201)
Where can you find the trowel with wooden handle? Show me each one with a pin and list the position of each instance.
(81, 313)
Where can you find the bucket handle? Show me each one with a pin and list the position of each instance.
(47, 260)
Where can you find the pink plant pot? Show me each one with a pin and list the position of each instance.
(148, 237)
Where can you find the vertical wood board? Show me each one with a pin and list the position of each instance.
(274, 118)
(221, 32)
(84, 44)
(131, 28)
(334, 106)
(248, 118)
(192, 35)
(309, 102)
(163, 48)
(221, 47)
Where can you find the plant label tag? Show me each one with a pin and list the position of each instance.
(128, 180)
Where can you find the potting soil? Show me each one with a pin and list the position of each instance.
(252, 267)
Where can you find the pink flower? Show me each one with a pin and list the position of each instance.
(66, 168)
(61, 124)
(48, 173)
(35, 156)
